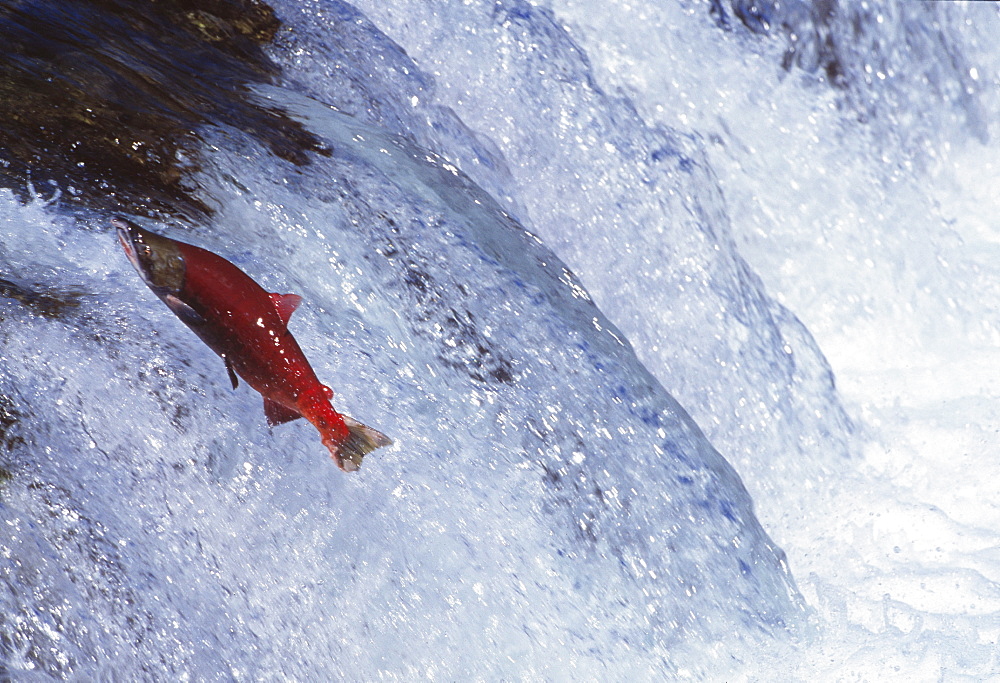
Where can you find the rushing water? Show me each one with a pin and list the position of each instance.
(593, 266)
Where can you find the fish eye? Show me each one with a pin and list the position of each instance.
(162, 262)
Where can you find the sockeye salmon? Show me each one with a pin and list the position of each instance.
(248, 328)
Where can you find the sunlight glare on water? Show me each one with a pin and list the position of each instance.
(878, 231)
(786, 210)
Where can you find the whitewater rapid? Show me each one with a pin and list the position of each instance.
(619, 279)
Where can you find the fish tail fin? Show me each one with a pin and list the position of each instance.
(360, 441)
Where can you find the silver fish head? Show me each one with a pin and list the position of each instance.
(157, 259)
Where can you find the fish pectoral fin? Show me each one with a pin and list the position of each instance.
(183, 311)
(362, 441)
(277, 414)
(232, 373)
(285, 304)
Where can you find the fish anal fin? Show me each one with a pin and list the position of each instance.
(232, 373)
(285, 304)
(277, 414)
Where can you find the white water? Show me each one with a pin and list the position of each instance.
(879, 235)
(160, 529)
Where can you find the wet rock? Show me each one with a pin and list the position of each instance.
(106, 97)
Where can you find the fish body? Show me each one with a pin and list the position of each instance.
(248, 327)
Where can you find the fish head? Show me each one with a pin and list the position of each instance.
(157, 259)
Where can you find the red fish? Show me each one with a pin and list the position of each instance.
(248, 327)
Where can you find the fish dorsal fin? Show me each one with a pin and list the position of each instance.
(277, 414)
(285, 304)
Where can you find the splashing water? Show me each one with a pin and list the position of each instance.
(781, 208)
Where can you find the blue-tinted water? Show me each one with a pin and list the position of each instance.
(592, 267)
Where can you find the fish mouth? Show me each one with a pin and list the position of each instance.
(125, 238)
